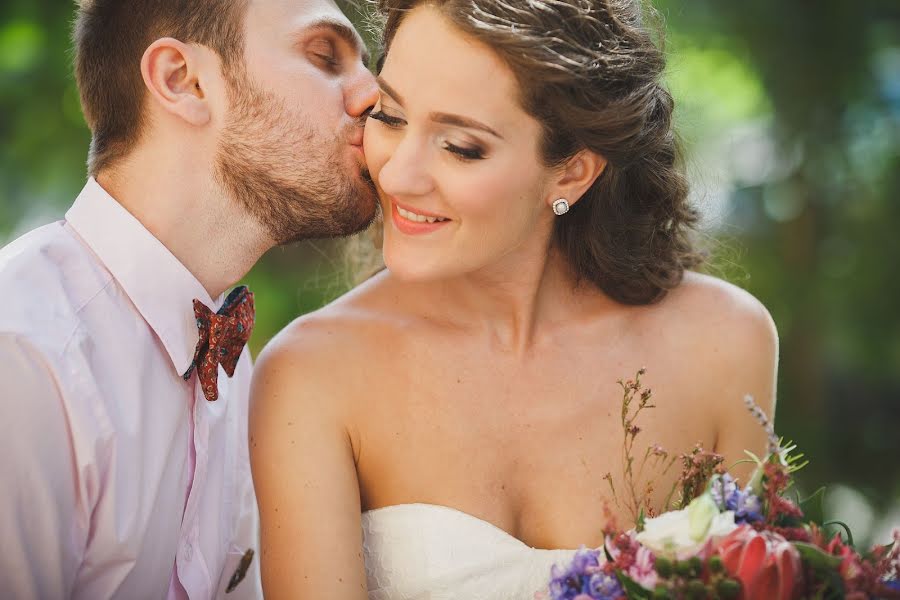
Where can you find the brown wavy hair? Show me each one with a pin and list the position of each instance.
(589, 71)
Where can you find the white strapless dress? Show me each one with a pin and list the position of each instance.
(432, 552)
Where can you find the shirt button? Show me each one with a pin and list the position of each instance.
(188, 552)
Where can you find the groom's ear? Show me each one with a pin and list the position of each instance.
(577, 175)
(171, 72)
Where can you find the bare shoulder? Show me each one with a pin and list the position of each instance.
(719, 316)
(331, 352)
(723, 341)
(730, 351)
(726, 346)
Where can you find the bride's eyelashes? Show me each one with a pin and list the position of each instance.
(386, 119)
(461, 152)
(464, 153)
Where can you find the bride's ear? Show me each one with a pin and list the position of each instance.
(577, 175)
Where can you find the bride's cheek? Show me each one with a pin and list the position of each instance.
(375, 149)
(370, 137)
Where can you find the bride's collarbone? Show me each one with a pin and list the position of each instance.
(514, 455)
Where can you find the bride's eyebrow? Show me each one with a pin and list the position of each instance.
(440, 117)
(461, 121)
(387, 89)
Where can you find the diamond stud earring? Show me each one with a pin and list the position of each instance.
(561, 207)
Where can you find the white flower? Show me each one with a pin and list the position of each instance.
(683, 533)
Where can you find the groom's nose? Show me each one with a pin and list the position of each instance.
(360, 92)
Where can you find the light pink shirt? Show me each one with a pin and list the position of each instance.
(118, 479)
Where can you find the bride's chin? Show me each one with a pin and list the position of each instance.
(411, 271)
(409, 275)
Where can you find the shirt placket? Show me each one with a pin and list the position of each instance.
(193, 571)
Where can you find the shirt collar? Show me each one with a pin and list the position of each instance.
(159, 286)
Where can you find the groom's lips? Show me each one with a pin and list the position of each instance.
(357, 138)
(356, 142)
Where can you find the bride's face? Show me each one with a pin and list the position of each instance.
(453, 155)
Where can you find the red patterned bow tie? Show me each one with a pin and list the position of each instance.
(222, 338)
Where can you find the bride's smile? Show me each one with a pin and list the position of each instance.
(415, 222)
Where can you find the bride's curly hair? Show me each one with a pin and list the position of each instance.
(589, 71)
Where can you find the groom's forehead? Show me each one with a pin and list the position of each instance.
(296, 16)
(297, 12)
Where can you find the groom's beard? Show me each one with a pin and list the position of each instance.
(293, 179)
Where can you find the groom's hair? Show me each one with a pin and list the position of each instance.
(110, 37)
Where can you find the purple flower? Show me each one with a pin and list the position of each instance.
(604, 586)
(728, 496)
(575, 580)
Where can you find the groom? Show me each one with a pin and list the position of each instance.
(220, 128)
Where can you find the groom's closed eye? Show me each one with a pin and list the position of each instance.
(329, 43)
(324, 53)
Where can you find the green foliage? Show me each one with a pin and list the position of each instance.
(825, 567)
(842, 525)
(632, 588)
(813, 507)
(811, 217)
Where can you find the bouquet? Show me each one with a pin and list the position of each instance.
(722, 540)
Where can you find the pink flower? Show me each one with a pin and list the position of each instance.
(643, 570)
(852, 569)
(767, 565)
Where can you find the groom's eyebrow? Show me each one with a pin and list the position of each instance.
(345, 32)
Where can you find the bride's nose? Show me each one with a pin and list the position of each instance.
(406, 172)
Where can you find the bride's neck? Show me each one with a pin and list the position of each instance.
(514, 301)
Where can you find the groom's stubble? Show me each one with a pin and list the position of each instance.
(294, 179)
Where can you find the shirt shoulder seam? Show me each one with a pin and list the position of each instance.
(68, 339)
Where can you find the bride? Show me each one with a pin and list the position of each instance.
(443, 430)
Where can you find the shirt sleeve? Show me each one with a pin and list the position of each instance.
(38, 509)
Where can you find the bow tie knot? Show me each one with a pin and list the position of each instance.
(223, 335)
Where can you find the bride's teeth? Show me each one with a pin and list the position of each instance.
(411, 216)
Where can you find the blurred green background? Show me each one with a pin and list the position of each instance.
(790, 113)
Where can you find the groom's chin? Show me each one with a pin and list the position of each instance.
(359, 210)
(366, 199)
(368, 208)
